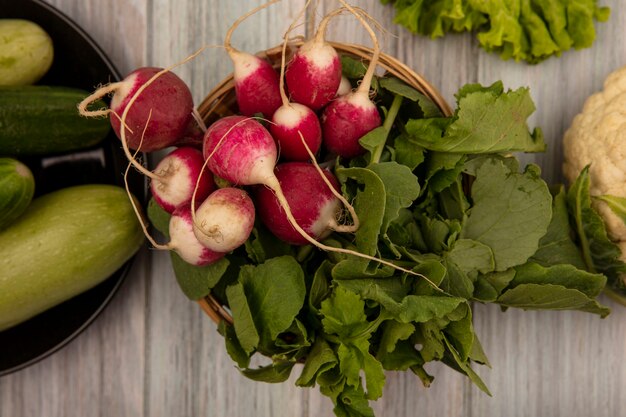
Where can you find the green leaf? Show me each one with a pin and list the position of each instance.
(403, 357)
(456, 282)
(270, 295)
(401, 188)
(471, 256)
(431, 339)
(461, 334)
(374, 139)
(599, 253)
(369, 205)
(407, 308)
(275, 373)
(344, 314)
(355, 357)
(320, 287)
(489, 286)
(616, 204)
(443, 169)
(556, 246)
(514, 29)
(320, 358)
(159, 218)
(465, 368)
(395, 86)
(567, 276)
(550, 297)
(392, 332)
(245, 329)
(408, 153)
(511, 212)
(263, 245)
(353, 68)
(196, 282)
(484, 123)
(352, 402)
(233, 347)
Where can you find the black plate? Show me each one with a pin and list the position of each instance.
(78, 62)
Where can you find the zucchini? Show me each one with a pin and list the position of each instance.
(65, 243)
(26, 52)
(17, 186)
(40, 120)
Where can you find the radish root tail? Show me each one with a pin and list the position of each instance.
(97, 95)
(231, 30)
(347, 228)
(133, 202)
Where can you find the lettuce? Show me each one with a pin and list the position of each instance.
(528, 30)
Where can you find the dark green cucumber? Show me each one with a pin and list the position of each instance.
(17, 186)
(41, 120)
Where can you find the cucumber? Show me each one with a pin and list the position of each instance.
(65, 243)
(40, 120)
(17, 186)
(26, 52)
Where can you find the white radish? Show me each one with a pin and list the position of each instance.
(185, 243)
(178, 176)
(224, 221)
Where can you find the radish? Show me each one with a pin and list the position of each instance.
(177, 176)
(314, 73)
(167, 98)
(185, 243)
(243, 152)
(287, 121)
(314, 206)
(344, 87)
(224, 220)
(256, 81)
(349, 117)
(292, 119)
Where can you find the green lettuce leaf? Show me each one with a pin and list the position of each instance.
(529, 30)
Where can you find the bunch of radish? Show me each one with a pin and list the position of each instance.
(288, 117)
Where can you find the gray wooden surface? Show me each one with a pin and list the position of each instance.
(154, 353)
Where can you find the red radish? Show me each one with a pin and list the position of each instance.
(314, 206)
(293, 119)
(240, 150)
(185, 243)
(346, 120)
(224, 221)
(349, 117)
(256, 81)
(290, 119)
(243, 152)
(178, 176)
(170, 101)
(314, 73)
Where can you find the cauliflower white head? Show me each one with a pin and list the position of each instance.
(597, 138)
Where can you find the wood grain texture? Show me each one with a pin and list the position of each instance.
(154, 353)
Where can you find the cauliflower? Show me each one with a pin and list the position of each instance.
(597, 137)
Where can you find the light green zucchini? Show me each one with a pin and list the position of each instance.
(65, 243)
